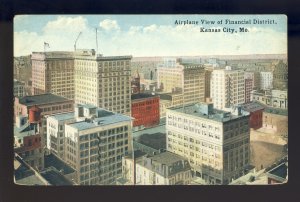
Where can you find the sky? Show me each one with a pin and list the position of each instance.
(148, 35)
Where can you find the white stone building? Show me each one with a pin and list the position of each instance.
(94, 141)
(227, 88)
(266, 80)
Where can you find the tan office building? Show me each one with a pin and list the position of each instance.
(103, 81)
(187, 79)
(215, 142)
(53, 72)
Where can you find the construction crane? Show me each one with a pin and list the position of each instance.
(76, 41)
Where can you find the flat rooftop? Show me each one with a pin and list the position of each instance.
(53, 161)
(105, 118)
(63, 116)
(167, 158)
(142, 96)
(54, 177)
(47, 98)
(252, 107)
(155, 140)
(25, 175)
(215, 114)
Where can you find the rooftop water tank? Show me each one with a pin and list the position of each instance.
(34, 114)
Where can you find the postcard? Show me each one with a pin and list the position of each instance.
(150, 100)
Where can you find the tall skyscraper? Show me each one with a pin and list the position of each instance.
(280, 74)
(103, 81)
(215, 142)
(189, 79)
(227, 87)
(53, 72)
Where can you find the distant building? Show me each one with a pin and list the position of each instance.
(145, 110)
(266, 80)
(280, 74)
(19, 88)
(186, 78)
(103, 81)
(215, 142)
(227, 87)
(256, 114)
(248, 89)
(53, 72)
(208, 71)
(136, 84)
(271, 98)
(95, 143)
(255, 76)
(164, 168)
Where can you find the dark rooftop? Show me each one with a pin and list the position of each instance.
(252, 107)
(165, 96)
(53, 161)
(25, 175)
(41, 99)
(155, 140)
(141, 96)
(167, 158)
(137, 154)
(54, 177)
(280, 170)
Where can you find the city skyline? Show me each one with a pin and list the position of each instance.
(148, 35)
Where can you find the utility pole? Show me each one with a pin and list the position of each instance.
(96, 42)
(76, 41)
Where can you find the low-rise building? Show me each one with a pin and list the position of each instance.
(164, 168)
(275, 120)
(256, 114)
(271, 98)
(145, 110)
(19, 88)
(28, 141)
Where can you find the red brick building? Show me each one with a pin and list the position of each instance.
(145, 110)
(28, 141)
(256, 114)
